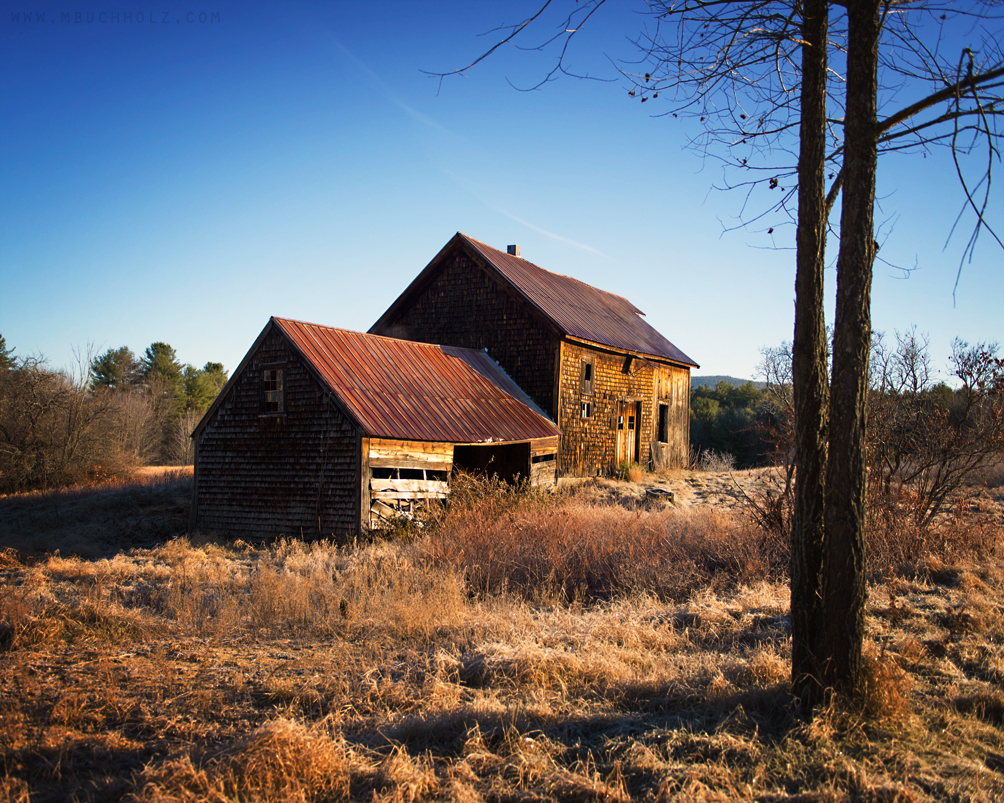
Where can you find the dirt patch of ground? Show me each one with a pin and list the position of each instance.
(686, 488)
(681, 488)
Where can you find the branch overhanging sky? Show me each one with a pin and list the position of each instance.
(183, 180)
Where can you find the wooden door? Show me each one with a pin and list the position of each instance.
(627, 432)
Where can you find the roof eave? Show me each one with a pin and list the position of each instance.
(620, 350)
(221, 396)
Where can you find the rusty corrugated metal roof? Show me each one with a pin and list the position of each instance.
(416, 391)
(581, 310)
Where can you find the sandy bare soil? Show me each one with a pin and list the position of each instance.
(682, 488)
(685, 488)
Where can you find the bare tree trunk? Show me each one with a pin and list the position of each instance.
(844, 544)
(809, 364)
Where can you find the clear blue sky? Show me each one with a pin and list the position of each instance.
(183, 180)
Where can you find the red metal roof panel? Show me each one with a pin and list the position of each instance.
(581, 310)
(417, 391)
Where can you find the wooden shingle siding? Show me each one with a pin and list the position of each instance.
(464, 306)
(589, 445)
(264, 476)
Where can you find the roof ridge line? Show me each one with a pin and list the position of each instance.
(416, 343)
(554, 273)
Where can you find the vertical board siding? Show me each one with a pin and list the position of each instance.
(389, 499)
(464, 306)
(672, 387)
(262, 477)
(544, 462)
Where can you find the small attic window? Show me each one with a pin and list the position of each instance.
(273, 392)
(586, 376)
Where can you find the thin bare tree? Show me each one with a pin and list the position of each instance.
(788, 95)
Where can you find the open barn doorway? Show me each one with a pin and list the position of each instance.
(508, 461)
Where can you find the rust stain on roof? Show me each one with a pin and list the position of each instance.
(417, 391)
(581, 310)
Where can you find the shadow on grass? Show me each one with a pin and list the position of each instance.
(645, 715)
(99, 521)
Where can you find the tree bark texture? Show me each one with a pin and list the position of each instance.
(844, 543)
(809, 364)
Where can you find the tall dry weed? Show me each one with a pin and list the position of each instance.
(282, 760)
(317, 588)
(885, 689)
(569, 550)
(894, 538)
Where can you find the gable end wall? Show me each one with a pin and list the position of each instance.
(464, 306)
(265, 477)
(589, 445)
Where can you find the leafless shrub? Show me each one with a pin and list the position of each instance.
(929, 438)
(51, 431)
(895, 537)
(716, 462)
(180, 448)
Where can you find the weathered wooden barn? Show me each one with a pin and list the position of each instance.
(327, 431)
(618, 390)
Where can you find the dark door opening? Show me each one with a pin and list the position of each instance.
(508, 461)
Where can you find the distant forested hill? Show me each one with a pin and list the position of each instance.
(711, 381)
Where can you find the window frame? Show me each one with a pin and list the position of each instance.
(663, 436)
(272, 390)
(587, 375)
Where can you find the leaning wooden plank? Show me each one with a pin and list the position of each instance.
(380, 513)
(416, 486)
(406, 495)
(543, 474)
(410, 462)
(380, 447)
(382, 509)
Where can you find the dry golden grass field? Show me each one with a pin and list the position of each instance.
(596, 644)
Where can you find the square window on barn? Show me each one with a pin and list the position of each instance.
(586, 376)
(663, 423)
(587, 409)
(273, 396)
